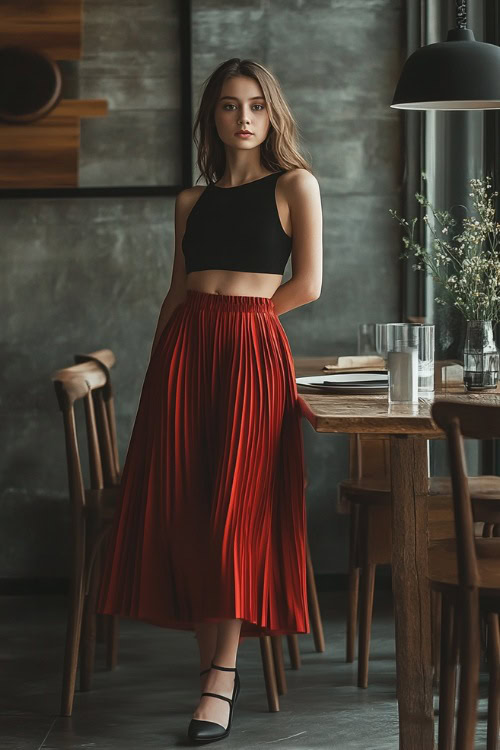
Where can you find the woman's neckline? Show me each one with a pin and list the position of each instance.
(251, 182)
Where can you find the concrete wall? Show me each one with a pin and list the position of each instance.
(88, 273)
(78, 275)
(132, 59)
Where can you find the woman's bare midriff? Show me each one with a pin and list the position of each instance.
(240, 283)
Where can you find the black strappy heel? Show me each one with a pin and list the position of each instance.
(202, 731)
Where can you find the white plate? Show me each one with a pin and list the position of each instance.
(347, 382)
(346, 378)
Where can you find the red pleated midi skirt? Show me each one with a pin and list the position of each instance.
(211, 518)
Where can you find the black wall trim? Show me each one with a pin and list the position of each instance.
(412, 284)
(186, 91)
(491, 448)
(91, 192)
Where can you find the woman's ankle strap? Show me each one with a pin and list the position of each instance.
(225, 669)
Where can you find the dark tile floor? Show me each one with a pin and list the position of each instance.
(147, 702)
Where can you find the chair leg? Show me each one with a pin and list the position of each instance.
(436, 600)
(314, 612)
(447, 675)
(494, 681)
(365, 622)
(101, 628)
(353, 596)
(269, 673)
(112, 630)
(87, 646)
(279, 664)
(352, 615)
(469, 670)
(73, 631)
(111, 626)
(293, 650)
(89, 627)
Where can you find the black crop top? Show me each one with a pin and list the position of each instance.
(237, 229)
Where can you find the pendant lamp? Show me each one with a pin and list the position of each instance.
(457, 74)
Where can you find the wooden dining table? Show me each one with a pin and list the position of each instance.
(408, 426)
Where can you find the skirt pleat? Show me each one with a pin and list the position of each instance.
(211, 518)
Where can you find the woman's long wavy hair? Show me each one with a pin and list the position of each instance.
(278, 151)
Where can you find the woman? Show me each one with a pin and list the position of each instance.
(210, 533)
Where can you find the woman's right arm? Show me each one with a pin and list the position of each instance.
(177, 292)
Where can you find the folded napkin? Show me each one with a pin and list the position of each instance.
(355, 363)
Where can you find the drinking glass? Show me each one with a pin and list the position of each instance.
(426, 335)
(387, 333)
(366, 338)
(381, 339)
(402, 362)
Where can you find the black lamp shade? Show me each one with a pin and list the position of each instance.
(457, 74)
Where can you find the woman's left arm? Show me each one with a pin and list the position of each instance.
(302, 192)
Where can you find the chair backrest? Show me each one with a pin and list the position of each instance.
(461, 420)
(74, 384)
(104, 407)
(369, 456)
(370, 459)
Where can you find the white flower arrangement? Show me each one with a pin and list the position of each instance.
(466, 265)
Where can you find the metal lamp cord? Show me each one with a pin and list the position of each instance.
(461, 14)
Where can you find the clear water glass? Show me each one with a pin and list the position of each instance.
(366, 338)
(426, 338)
(381, 338)
(402, 362)
(387, 333)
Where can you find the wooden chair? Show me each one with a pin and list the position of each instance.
(97, 626)
(466, 573)
(92, 510)
(366, 496)
(102, 434)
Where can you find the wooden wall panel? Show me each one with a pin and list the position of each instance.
(52, 26)
(45, 153)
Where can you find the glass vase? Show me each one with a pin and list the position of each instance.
(481, 357)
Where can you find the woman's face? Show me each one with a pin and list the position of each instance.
(241, 106)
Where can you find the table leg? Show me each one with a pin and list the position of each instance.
(411, 592)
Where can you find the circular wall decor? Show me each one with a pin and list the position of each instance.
(30, 84)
